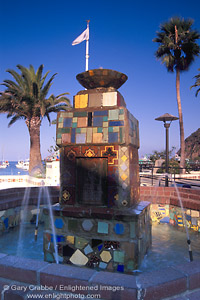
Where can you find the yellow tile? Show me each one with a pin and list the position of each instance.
(83, 101)
(94, 130)
(106, 256)
(124, 158)
(123, 177)
(77, 101)
(105, 124)
(60, 125)
(58, 141)
(70, 239)
(116, 129)
(83, 130)
(74, 120)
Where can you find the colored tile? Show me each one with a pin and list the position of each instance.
(118, 256)
(70, 239)
(87, 225)
(74, 125)
(101, 113)
(105, 256)
(116, 123)
(73, 135)
(105, 135)
(83, 130)
(66, 138)
(105, 124)
(121, 117)
(78, 130)
(72, 224)
(132, 230)
(124, 158)
(124, 167)
(98, 121)
(110, 99)
(66, 130)
(100, 247)
(58, 141)
(80, 243)
(95, 100)
(130, 265)
(123, 177)
(105, 119)
(80, 114)
(113, 137)
(89, 135)
(119, 228)
(99, 129)
(60, 125)
(60, 120)
(94, 130)
(59, 223)
(120, 268)
(74, 120)
(80, 138)
(115, 129)
(78, 258)
(121, 111)
(66, 115)
(82, 122)
(110, 129)
(88, 249)
(97, 137)
(102, 265)
(113, 114)
(67, 122)
(102, 227)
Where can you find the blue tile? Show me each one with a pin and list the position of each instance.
(101, 113)
(59, 223)
(116, 123)
(73, 135)
(59, 238)
(112, 137)
(119, 228)
(100, 247)
(67, 122)
(120, 268)
(97, 121)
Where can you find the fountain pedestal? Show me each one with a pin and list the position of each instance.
(100, 222)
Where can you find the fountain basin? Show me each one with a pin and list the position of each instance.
(96, 78)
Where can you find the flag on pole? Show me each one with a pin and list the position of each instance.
(82, 37)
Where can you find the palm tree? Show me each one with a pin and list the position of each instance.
(197, 83)
(26, 98)
(177, 50)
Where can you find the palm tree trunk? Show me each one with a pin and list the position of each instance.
(182, 139)
(35, 162)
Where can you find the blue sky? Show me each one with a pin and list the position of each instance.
(121, 33)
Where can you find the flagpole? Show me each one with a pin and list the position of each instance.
(87, 49)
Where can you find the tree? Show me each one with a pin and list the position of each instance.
(26, 98)
(197, 83)
(177, 50)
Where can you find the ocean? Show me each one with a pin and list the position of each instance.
(12, 170)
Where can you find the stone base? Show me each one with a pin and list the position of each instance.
(100, 238)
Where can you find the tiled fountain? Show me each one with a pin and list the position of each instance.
(99, 222)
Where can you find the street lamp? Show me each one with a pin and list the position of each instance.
(167, 119)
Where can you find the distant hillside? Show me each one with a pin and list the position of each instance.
(192, 145)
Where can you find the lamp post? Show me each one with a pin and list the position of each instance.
(167, 119)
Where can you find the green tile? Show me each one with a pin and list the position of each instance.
(118, 256)
(102, 227)
(132, 230)
(121, 111)
(65, 130)
(60, 120)
(80, 114)
(99, 129)
(105, 119)
(78, 130)
(80, 243)
(72, 224)
(59, 135)
(74, 125)
(110, 129)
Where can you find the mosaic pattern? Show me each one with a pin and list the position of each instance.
(112, 246)
(98, 127)
(173, 215)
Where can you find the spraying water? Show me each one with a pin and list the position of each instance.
(23, 217)
(184, 221)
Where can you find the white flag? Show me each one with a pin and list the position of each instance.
(82, 37)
